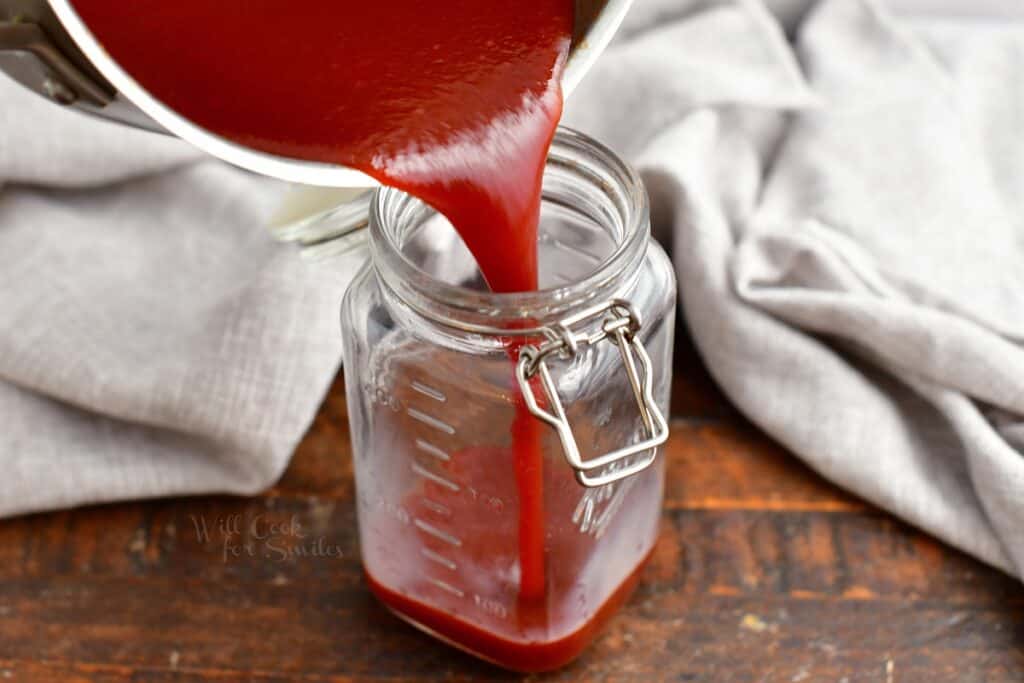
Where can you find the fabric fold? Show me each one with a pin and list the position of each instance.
(155, 339)
(849, 260)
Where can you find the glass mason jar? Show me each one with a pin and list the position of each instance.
(505, 445)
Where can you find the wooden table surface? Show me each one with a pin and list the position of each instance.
(763, 572)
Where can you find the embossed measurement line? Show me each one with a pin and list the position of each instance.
(436, 478)
(447, 586)
(440, 559)
(429, 391)
(584, 513)
(437, 533)
(430, 420)
(433, 450)
(602, 522)
(436, 507)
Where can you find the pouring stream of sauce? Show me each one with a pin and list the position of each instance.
(454, 102)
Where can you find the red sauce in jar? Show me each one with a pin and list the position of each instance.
(519, 655)
(455, 102)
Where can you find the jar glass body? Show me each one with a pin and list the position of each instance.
(473, 526)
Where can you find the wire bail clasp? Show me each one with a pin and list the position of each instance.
(618, 323)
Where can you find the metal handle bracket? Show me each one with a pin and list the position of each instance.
(58, 78)
(620, 325)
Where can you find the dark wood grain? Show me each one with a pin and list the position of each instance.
(763, 572)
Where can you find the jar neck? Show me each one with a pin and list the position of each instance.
(580, 173)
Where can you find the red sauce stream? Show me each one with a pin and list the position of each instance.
(454, 102)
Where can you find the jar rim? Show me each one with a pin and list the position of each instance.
(441, 300)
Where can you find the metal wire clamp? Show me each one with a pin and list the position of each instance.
(619, 323)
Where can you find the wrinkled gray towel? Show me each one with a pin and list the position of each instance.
(845, 219)
(154, 339)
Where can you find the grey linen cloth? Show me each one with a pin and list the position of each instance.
(846, 211)
(154, 339)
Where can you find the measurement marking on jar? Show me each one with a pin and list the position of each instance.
(436, 478)
(493, 503)
(429, 391)
(382, 397)
(433, 450)
(436, 507)
(430, 420)
(584, 513)
(440, 559)
(613, 507)
(587, 515)
(447, 586)
(437, 533)
(492, 607)
(389, 508)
